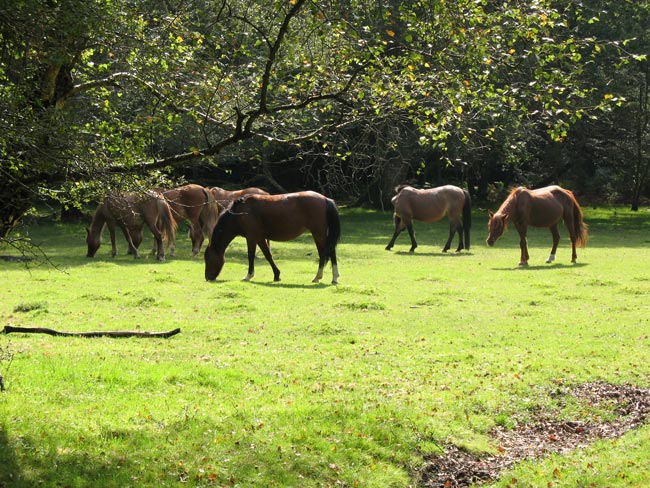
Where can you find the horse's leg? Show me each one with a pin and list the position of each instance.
(196, 234)
(322, 260)
(523, 245)
(454, 226)
(111, 230)
(461, 241)
(252, 245)
(414, 243)
(157, 235)
(556, 240)
(574, 238)
(568, 222)
(399, 227)
(132, 248)
(335, 268)
(266, 250)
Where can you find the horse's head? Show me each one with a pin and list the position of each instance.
(93, 241)
(496, 226)
(214, 261)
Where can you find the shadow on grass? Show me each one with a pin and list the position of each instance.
(51, 466)
(436, 254)
(308, 285)
(10, 474)
(542, 267)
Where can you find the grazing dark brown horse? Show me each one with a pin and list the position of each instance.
(131, 211)
(431, 206)
(188, 202)
(285, 217)
(543, 207)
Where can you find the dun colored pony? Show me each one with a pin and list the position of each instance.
(260, 218)
(188, 202)
(223, 199)
(131, 211)
(431, 206)
(543, 207)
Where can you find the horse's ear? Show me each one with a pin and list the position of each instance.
(490, 214)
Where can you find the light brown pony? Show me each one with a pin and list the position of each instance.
(131, 211)
(188, 202)
(285, 217)
(223, 199)
(431, 206)
(543, 207)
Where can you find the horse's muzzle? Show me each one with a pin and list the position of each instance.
(489, 242)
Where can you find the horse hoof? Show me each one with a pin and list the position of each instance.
(335, 282)
(523, 264)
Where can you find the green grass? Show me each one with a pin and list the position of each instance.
(305, 385)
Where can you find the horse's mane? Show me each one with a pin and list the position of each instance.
(399, 188)
(507, 207)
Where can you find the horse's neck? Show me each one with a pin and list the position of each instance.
(98, 221)
(509, 208)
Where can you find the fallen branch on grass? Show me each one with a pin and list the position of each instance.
(116, 333)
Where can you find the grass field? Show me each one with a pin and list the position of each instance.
(314, 385)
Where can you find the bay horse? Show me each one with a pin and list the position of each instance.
(131, 211)
(260, 218)
(429, 206)
(188, 202)
(543, 207)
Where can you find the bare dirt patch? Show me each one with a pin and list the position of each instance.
(630, 408)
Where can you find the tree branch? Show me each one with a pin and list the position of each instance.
(119, 333)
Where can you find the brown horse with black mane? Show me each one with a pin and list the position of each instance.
(131, 211)
(430, 206)
(543, 207)
(260, 218)
(188, 202)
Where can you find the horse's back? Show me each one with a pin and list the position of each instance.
(282, 217)
(545, 206)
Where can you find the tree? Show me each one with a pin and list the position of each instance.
(100, 94)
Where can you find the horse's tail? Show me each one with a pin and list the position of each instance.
(167, 222)
(467, 217)
(333, 227)
(579, 225)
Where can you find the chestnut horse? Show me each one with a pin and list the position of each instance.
(223, 199)
(131, 211)
(543, 207)
(431, 206)
(188, 202)
(285, 217)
